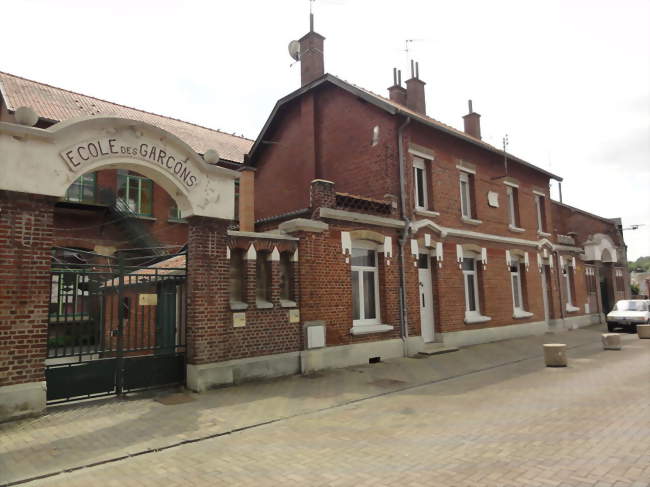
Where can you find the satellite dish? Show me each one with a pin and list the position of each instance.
(26, 116)
(294, 50)
(211, 156)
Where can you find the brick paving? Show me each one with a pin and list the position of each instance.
(504, 420)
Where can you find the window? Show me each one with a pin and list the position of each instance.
(286, 277)
(420, 184)
(83, 190)
(569, 287)
(175, 213)
(237, 276)
(263, 277)
(471, 287)
(136, 191)
(620, 283)
(591, 280)
(512, 194)
(365, 286)
(541, 212)
(515, 280)
(466, 184)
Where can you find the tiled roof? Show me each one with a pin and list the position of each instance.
(57, 104)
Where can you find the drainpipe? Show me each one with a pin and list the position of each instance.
(559, 287)
(403, 316)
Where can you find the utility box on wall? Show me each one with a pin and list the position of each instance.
(314, 334)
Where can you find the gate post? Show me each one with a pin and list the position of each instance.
(26, 241)
(207, 295)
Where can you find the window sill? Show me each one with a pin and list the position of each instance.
(519, 315)
(471, 221)
(366, 329)
(515, 229)
(543, 234)
(571, 309)
(259, 304)
(423, 212)
(286, 303)
(475, 318)
(176, 220)
(238, 306)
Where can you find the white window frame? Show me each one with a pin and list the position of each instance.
(538, 207)
(420, 164)
(567, 283)
(464, 177)
(514, 262)
(360, 269)
(512, 216)
(477, 302)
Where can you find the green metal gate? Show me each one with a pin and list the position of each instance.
(114, 329)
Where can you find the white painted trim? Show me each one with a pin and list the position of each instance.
(251, 254)
(439, 256)
(427, 240)
(303, 225)
(459, 253)
(346, 243)
(275, 255)
(423, 155)
(571, 309)
(417, 225)
(471, 221)
(366, 329)
(294, 257)
(508, 259)
(526, 260)
(484, 256)
(421, 212)
(227, 252)
(473, 318)
(388, 247)
(414, 248)
(360, 218)
(466, 169)
(271, 236)
(520, 314)
(512, 185)
(539, 193)
(512, 228)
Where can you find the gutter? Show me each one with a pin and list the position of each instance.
(403, 315)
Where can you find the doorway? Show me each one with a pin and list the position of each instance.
(426, 298)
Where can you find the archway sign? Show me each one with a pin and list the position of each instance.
(48, 161)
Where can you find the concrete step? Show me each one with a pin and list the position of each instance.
(437, 349)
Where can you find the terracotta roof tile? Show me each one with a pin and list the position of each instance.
(57, 104)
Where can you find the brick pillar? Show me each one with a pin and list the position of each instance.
(208, 311)
(26, 241)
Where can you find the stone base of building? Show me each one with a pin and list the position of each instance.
(22, 400)
(575, 322)
(466, 338)
(357, 354)
(207, 376)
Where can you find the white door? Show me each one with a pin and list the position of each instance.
(426, 297)
(545, 293)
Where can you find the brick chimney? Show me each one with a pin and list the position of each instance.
(472, 122)
(247, 199)
(415, 91)
(397, 92)
(312, 59)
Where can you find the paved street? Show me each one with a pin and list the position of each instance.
(490, 415)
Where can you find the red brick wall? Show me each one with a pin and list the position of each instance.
(26, 240)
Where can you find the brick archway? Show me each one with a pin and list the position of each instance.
(40, 165)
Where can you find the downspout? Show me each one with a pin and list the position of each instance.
(403, 316)
(559, 287)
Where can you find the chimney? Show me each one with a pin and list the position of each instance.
(312, 61)
(397, 92)
(415, 91)
(247, 199)
(472, 122)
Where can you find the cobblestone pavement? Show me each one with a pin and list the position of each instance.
(495, 417)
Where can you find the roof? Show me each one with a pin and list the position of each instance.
(56, 104)
(611, 221)
(393, 108)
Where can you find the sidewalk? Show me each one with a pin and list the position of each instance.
(73, 436)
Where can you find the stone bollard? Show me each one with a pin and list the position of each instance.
(643, 331)
(555, 354)
(611, 341)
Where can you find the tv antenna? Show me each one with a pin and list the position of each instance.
(407, 47)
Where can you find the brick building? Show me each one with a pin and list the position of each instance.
(365, 230)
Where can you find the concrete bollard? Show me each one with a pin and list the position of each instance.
(555, 354)
(611, 341)
(643, 331)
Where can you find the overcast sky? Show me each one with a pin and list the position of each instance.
(568, 81)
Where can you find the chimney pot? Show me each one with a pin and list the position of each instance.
(415, 91)
(397, 93)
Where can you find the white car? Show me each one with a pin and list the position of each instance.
(628, 313)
